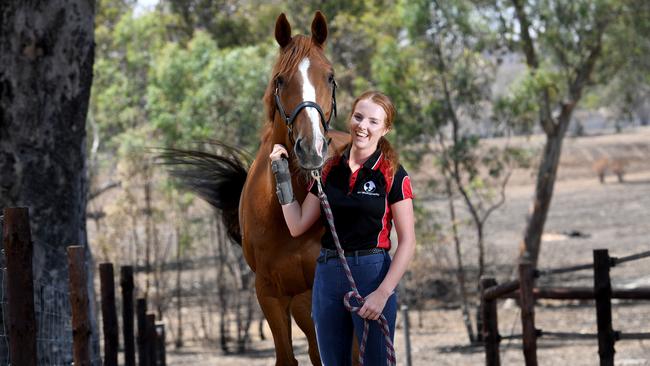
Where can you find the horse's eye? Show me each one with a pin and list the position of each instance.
(330, 79)
(279, 81)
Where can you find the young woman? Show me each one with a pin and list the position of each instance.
(367, 189)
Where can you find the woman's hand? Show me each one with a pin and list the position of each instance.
(374, 304)
(278, 152)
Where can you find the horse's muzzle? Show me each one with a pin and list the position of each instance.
(311, 154)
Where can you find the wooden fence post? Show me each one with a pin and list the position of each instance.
(407, 333)
(491, 337)
(79, 302)
(109, 313)
(527, 302)
(160, 344)
(17, 241)
(151, 339)
(143, 354)
(126, 282)
(603, 295)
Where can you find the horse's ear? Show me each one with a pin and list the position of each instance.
(282, 31)
(319, 28)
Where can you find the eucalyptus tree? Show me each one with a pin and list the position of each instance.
(46, 62)
(569, 47)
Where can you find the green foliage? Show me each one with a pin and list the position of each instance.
(203, 92)
(196, 69)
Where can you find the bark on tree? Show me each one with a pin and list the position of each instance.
(46, 68)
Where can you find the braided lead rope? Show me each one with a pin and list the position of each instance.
(390, 351)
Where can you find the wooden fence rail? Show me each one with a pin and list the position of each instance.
(525, 292)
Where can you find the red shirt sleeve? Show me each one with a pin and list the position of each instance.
(401, 188)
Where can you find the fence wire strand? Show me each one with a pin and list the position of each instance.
(52, 311)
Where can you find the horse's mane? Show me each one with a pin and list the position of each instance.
(290, 56)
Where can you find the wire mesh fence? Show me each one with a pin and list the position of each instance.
(52, 311)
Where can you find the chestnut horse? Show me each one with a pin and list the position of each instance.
(299, 103)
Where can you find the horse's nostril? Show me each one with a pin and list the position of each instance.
(299, 146)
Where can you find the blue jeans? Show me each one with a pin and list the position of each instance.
(334, 323)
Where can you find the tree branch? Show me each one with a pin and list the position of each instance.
(108, 186)
(582, 75)
(527, 41)
(545, 117)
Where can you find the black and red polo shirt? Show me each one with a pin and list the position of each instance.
(361, 201)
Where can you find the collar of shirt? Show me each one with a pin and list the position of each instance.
(372, 163)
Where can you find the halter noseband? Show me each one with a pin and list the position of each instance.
(288, 119)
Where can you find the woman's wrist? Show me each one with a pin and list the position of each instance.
(384, 291)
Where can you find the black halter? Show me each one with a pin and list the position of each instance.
(288, 119)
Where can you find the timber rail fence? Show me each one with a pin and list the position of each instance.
(524, 290)
(48, 323)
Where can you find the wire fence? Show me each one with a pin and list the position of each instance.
(52, 311)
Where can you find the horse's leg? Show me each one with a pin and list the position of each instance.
(276, 311)
(301, 311)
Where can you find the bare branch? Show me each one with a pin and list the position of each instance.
(527, 41)
(545, 117)
(502, 200)
(106, 187)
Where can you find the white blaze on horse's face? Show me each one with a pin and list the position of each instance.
(309, 94)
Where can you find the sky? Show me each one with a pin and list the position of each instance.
(143, 5)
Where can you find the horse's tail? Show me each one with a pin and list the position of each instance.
(218, 178)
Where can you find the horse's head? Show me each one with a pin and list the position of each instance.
(301, 96)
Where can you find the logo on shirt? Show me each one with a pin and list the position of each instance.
(369, 187)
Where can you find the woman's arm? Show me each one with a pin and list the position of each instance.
(405, 226)
(299, 218)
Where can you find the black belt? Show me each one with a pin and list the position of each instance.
(331, 253)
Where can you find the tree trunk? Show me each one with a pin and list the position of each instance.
(460, 270)
(46, 69)
(179, 308)
(531, 244)
(554, 127)
(224, 329)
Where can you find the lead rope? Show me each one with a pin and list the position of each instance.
(390, 351)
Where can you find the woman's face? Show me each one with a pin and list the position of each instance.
(367, 125)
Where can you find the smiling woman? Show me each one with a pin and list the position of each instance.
(368, 190)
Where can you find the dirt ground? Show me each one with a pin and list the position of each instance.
(611, 215)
